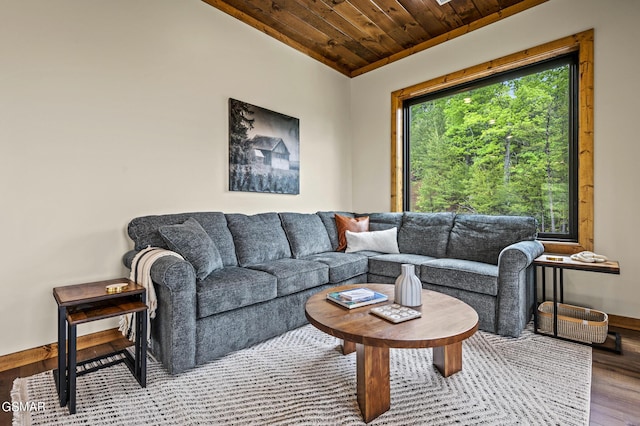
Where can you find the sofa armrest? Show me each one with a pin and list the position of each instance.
(515, 296)
(173, 330)
(127, 259)
(520, 255)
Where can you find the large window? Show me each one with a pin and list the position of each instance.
(513, 136)
(499, 145)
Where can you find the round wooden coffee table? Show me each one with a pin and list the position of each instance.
(444, 324)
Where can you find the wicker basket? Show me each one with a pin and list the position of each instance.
(574, 322)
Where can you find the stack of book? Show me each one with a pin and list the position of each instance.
(356, 297)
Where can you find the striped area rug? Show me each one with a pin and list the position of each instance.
(301, 378)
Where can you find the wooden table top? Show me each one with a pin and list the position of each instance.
(445, 320)
(564, 261)
(71, 295)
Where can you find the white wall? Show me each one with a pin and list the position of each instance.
(616, 149)
(114, 109)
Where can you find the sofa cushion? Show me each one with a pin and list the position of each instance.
(484, 305)
(258, 238)
(342, 266)
(466, 275)
(381, 241)
(231, 288)
(144, 231)
(482, 237)
(194, 244)
(295, 275)
(344, 224)
(329, 221)
(382, 221)
(306, 233)
(389, 265)
(425, 233)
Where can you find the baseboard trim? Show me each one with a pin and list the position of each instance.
(624, 322)
(41, 353)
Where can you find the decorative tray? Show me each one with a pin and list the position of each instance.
(396, 313)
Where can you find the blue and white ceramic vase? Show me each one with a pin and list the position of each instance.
(408, 289)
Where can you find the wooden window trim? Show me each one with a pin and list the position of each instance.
(581, 43)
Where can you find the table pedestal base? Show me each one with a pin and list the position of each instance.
(374, 382)
(448, 359)
(374, 379)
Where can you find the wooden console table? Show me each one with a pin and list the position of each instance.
(558, 263)
(82, 303)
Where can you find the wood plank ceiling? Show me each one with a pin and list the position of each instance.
(356, 36)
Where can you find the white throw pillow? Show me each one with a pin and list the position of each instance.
(382, 241)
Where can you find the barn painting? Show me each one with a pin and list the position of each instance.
(272, 151)
(264, 150)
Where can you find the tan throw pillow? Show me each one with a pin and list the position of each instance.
(343, 224)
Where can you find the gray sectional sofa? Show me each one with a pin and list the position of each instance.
(246, 278)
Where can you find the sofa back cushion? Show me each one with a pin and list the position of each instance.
(259, 238)
(425, 233)
(306, 233)
(483, 237)
(383, 221)
(144, 232)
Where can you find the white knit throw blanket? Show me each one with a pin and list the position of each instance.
(141, 274)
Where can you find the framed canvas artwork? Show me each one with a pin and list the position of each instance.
(264, 150)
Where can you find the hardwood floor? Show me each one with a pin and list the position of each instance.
(615, 386)
(7, 377)
(615, 383)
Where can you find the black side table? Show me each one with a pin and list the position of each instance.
(558, 263)
(82, 303)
